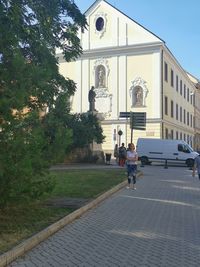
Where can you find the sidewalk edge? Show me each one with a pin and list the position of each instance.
(33, 241)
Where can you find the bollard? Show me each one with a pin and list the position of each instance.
(108, 158)
(166, 167)
(142, 164)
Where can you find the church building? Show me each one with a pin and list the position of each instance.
(131, 70)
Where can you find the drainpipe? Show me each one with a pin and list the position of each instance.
(162, 96)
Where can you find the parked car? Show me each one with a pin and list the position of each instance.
(152, 149)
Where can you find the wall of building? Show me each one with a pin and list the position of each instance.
(180, 95)
(120, 30)
(131, 57)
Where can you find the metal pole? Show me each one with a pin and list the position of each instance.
(166, 167)
(131, 135)
(131, 124)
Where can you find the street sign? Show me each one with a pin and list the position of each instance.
(138, 120)
(124, 114)
(139, 128)
(120, 132)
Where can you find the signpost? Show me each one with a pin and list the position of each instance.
(137, 121)
(120, 134)
(124, 114)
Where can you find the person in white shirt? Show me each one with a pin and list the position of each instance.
(196, 166)
(131, 162)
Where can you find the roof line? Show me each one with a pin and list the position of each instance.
(124, 15)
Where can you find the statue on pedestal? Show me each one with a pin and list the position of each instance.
(91, 99)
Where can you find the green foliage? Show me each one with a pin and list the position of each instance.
(22, 161)
(58, 134)
(86, 129)
(30, 33)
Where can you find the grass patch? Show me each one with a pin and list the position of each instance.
(86, 183)
(22, 221)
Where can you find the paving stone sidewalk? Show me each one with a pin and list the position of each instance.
(157, 225)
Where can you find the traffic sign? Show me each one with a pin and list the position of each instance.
(124, 114)
(138, 120)
(120, 132)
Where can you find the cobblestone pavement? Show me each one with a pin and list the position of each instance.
(156, 225)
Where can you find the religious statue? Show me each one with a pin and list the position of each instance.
(139, 97)
(91, 99)
(101, 77)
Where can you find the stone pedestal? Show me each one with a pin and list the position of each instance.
(94, 147)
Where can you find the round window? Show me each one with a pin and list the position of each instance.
(99, 24)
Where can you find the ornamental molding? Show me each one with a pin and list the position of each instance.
(98, 63)
(138, 92)
(104, 16)
(103, 102)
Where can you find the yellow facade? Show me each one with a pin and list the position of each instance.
(132, 61)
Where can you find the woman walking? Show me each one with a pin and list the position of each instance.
(132, 159)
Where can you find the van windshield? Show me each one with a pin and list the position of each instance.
(185, 148)
(190, 149)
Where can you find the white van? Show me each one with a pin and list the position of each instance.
(150, 149)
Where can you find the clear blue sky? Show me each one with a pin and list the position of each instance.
(177, 22)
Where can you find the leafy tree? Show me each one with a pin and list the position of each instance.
(30, 33)
(86, 129)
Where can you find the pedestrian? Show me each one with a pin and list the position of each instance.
(132, 158)
(128, 148)
(116, 153)
(122, 155)
(196, 166)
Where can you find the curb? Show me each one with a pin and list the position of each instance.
(33, 241)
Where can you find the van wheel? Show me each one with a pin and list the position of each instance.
(144, 160)
(190, 162)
